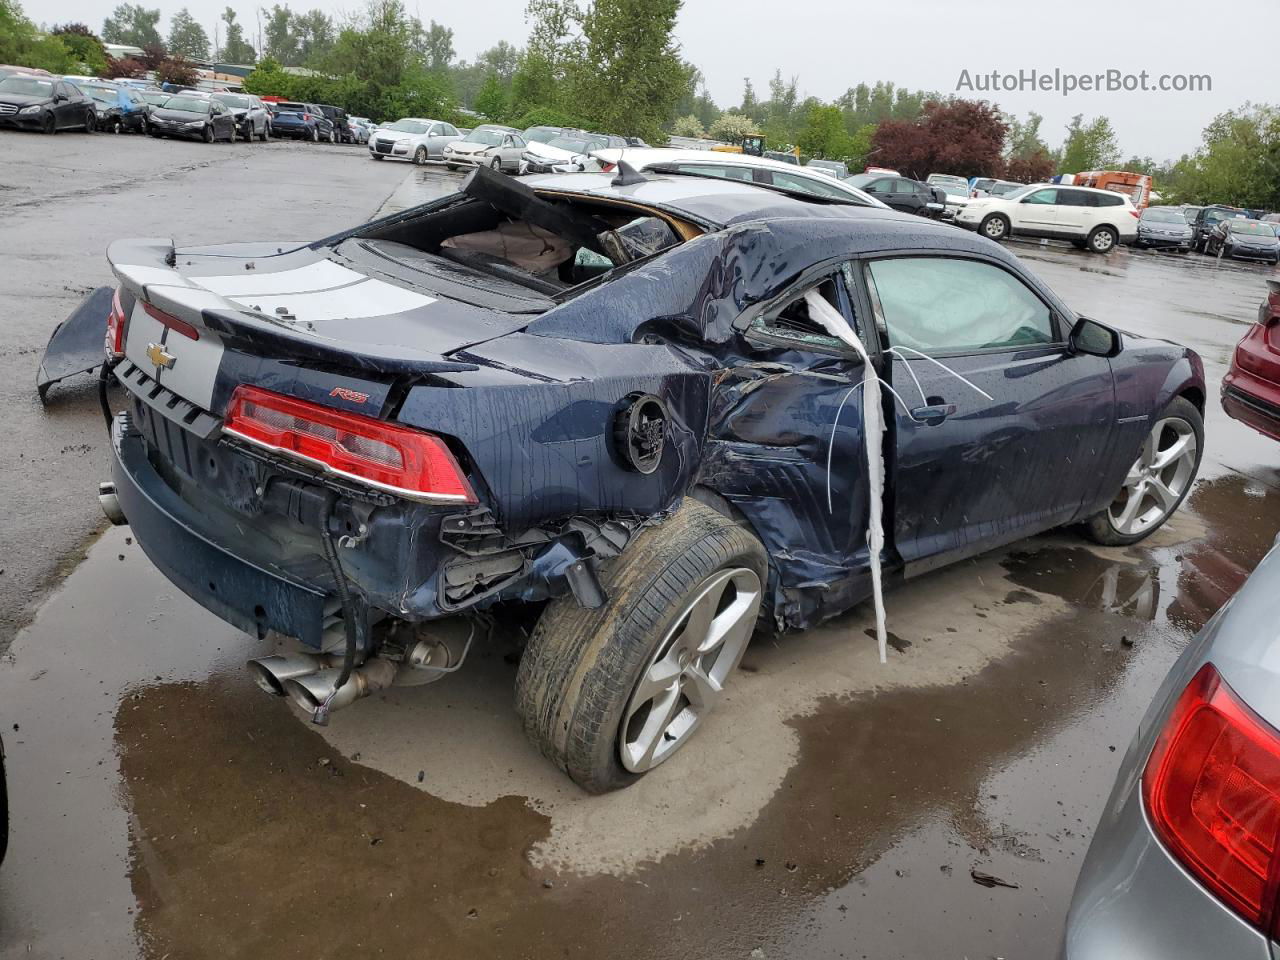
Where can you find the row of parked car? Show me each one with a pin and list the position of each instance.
(37, 100)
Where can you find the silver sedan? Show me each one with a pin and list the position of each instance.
(1185, 863)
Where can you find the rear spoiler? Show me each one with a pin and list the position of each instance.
(145, 267)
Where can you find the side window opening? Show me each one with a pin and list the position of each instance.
(791, 320)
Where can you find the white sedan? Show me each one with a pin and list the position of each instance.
(738, 166)
(501, 148)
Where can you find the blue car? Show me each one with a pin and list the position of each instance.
(120, 108)
(656, 413)
(301, 121)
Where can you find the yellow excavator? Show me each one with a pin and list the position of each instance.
(754, 147)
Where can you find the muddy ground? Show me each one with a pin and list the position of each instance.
(833, 807)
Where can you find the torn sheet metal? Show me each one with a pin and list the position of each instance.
(76, 344)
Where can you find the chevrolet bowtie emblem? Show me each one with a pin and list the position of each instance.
(157, 354)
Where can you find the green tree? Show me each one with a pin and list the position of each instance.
(235, 48)
(279, 37)
(435, 45)
(314, 31)
(22, 44)
(186, 37)
(823, 134)
(689, 126)
(631, 74)
(84, 46)
(132, 24)
(1089, 146)
(1238, 162)
(491, 101)
(502, 58)
(541, 80)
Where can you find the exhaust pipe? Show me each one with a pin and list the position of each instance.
(110, 503)
(271, 673)
(312, 690)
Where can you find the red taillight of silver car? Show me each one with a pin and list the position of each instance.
(116, 322)
(1211, 789)
(390, 457)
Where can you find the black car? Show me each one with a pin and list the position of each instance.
(46, 104)
(338, 117)
(1243, 239)
(627, 406)
(198, 118)
(120, 110)
(1206, 219)
(900, 193)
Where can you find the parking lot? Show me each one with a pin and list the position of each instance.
(162, 805)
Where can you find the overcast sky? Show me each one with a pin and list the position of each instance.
(831, 45)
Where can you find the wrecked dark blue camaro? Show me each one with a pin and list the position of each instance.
(634, 406)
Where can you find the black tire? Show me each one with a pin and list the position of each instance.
(376, 156)
(49, 124)
(208, 133)
(496, 164)
(578, 672)
(1102, 239)
(90, 122)
(994, 226)
(315, 134)
(420, 156)
(1099, 527)
(451, 166)
(232, 137)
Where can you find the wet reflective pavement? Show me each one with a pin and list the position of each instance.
(163, 806)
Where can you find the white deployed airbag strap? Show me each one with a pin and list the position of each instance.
(873, 437)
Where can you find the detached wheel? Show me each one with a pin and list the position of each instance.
(1102, 240)
(1158, 481)
(609, 694)
(994, 227)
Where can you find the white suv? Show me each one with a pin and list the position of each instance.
(1094, 220)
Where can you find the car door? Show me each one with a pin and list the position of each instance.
(1036, 213)
(785, 438)
(67, 110)
(221, 119)
(907, 196)
(513, 149)
(1018, 444)
(1076, 212)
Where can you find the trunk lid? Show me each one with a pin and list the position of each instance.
(375, 309)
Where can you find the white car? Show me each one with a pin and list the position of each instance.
(1094, 220)
(564, 154)
(413, 138)
(738, 166)
(956, 189)
(499, 147)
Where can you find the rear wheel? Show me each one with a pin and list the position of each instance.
(994, 227)
(315, 134)
(1158, 481)
(1102, 240)
(266, 133)
(611, 693)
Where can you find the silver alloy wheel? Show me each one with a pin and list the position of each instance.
(1159, 478)
(1103, 240)
(686, 674)
(994, 228)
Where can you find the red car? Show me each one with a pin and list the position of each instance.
(1251, 388)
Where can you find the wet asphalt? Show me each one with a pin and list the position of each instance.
(164, 807)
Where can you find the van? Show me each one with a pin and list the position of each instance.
(1135, 186)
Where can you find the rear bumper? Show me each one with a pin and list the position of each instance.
(1253, 401)
(244, 592)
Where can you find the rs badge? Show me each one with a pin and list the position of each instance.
(162, 359)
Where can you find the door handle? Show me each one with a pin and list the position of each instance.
(933, 414)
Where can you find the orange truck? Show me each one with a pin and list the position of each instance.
(1135, 186)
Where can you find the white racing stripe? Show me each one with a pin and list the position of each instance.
(321, 275)
(371, 298)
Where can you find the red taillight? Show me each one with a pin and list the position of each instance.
(306, 117)
(116, 321)
(397, 459)
(172, 322)
(1212, 791)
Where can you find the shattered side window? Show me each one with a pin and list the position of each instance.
(791, 319)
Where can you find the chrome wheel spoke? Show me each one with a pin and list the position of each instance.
(1160, 490)
(657, 680)
(1158, 478)
(1184, 446)
(701, 689)
(1130, 511)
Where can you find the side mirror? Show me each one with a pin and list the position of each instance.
(1093, 339)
